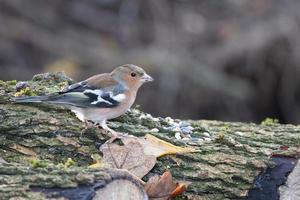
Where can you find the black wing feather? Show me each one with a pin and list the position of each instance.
(86, 89)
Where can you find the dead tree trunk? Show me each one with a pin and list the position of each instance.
(34, 139)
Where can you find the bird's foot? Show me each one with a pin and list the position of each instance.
(113, 134)
(88, 124)
(110, 132)
(116, 136)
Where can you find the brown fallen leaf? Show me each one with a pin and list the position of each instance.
(130, 156)
(181, 188)
(23, 150)
(68, 141)
(157, 147)
(163, 188)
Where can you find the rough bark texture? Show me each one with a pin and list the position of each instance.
(37, 140)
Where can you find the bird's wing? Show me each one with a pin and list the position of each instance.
(100, 91)
(94, 82)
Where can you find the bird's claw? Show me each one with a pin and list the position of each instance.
(116, 135)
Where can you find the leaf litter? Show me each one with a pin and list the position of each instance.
(138, 156)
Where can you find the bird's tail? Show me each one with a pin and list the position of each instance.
(62, 99)
(33, 99)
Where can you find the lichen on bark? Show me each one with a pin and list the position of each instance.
(229, 157)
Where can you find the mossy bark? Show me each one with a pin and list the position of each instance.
(229, 156)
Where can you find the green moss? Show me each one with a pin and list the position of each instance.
(2, 83)
(38, 163)
(63, 84)
(269, 121)
(12, 82)
(69, 163)
(25, 91)
(220, 137)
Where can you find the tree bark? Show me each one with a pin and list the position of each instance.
(36, 141)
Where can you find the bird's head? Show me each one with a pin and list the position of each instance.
(131, 75)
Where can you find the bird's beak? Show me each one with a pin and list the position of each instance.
(146, 78)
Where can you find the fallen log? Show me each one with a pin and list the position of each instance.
(37, 142)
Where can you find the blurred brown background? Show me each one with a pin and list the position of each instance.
(234, 60)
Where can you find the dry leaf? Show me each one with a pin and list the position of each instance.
(68, 141)
(163, 188)
(131, 157)
(23, 149)
(157, 147)
(178, 191)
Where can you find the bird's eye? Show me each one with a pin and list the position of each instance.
(133, 74)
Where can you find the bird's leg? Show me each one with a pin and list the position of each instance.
(114, 134)
(88, 124)
(105, 127)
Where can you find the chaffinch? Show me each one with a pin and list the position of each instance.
(100, 97)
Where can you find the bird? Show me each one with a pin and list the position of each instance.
(99, 98)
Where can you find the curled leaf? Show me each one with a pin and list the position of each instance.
(157, 147)
(163, 188)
